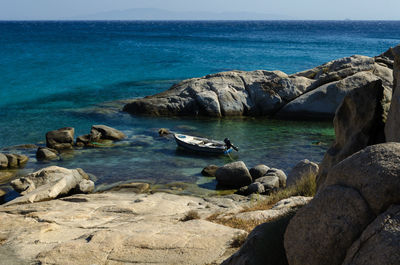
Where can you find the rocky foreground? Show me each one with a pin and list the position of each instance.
(122, 228)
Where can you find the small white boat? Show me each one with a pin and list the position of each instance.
(204, 145)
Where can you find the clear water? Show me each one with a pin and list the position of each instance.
(52, 75)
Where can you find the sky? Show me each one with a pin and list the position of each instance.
(296, 9)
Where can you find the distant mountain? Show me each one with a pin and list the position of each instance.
(161, 14)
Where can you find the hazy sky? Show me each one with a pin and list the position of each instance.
(298, 9)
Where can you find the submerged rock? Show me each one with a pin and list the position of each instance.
(163, 132)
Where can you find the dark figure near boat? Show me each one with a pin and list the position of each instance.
(229, 145)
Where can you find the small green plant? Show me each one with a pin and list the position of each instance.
(191, 215)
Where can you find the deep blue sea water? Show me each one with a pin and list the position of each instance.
(53, 73)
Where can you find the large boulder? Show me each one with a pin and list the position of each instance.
(392, 129)
(60, 139)
(233, 175)
(355, 192)
(322, 231)
(379, 243)
(374, 172)
(359, 122)
(105, 133)
(224, 94)
(316, 92)
(303, 170)
(324, 100)
(50, 183)
(264, 245)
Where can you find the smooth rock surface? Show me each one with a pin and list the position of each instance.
(45, 153)
(279, 210)
(105, 132)
(258, 171)
(323, 101)
(316, 92)
(374, 172)
(304, 169)
(115, 228)
(270, 182)
(379, 243)
(358, 123)
(49, 183)
(264, 245)
(323, 230)
(234, 175)
(60, 139)
(279, 174)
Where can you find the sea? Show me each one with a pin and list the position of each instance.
(56, 74)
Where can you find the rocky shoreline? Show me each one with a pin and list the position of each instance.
(314, 93)
(353, 219)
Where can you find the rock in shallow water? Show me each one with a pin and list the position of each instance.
(60, 139)
(234, 175)
(209, 170)
(44, 153)
(106, 133)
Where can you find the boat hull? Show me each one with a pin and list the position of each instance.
(215, 147)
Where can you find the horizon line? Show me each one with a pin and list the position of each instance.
(191, 20)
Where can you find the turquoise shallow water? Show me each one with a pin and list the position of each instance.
(52, 72)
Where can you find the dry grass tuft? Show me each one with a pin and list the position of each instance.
(238, 240)
(304, 187)
(191, 215)
(234, 222)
